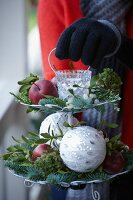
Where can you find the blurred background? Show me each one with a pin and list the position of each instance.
(19, 56)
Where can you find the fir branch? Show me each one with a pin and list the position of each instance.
(17, 168)
(102, 176)
(35, 174)
(57, 178)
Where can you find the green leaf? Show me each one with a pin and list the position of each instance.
(11, 149)
(31, 78)
(30, 109)
(80, 103)
(109, 145)
(24, 88)
(41, 141)
(111, 125)
(71, 91)
(75, 85)
(22, 98)
(18, 141)
(53, 100)
(61, 132)
(25, 139)
(115, 138)
(60, 102)
(45, 101)
(49, 128)
(33, 134)
(66, 124)
(49, 97)
(5, 156)
(45, 135)
(94, 80)
(20, 148)
(52, 132)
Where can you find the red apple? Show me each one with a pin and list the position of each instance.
(39, 150)
(114, 163)
(40, 88)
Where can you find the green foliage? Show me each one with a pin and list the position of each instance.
(115, 144)
(47, 137)
(80, 103)
(104, 87)
(53, 101)
(57, 178)
(51, 163)
(35, 174)
(94, 80)
(27, 81)
(23, 147)
(17, 168)
(25, 85)
(103, 176)
(21, 98)
(51, 104)
(50, 166)
(108, 80)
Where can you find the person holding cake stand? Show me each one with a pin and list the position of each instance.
(97, 34)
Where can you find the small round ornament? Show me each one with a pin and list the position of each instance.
(83, 148)
(56, 122)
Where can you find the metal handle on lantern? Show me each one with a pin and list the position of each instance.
(50, 64)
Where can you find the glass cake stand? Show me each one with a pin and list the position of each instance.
(94, 192)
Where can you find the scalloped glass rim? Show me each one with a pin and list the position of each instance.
(31, 105)
(66, 109)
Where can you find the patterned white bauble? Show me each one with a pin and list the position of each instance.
(82, 149)
(56, 121)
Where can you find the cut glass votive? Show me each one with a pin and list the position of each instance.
(67, 78)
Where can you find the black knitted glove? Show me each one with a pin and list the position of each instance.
(87, 39)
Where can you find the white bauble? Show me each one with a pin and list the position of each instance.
(56, 121)
(82, 149)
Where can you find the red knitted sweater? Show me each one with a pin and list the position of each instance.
(53, 17)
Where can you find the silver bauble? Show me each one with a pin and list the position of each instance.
(56, 121)
(82, 149)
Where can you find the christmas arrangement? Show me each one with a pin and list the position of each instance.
(66, 149)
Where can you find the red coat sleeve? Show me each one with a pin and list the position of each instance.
(127, 129)
(53, 17)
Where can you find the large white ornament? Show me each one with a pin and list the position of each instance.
(82, 149)
(56, 121)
